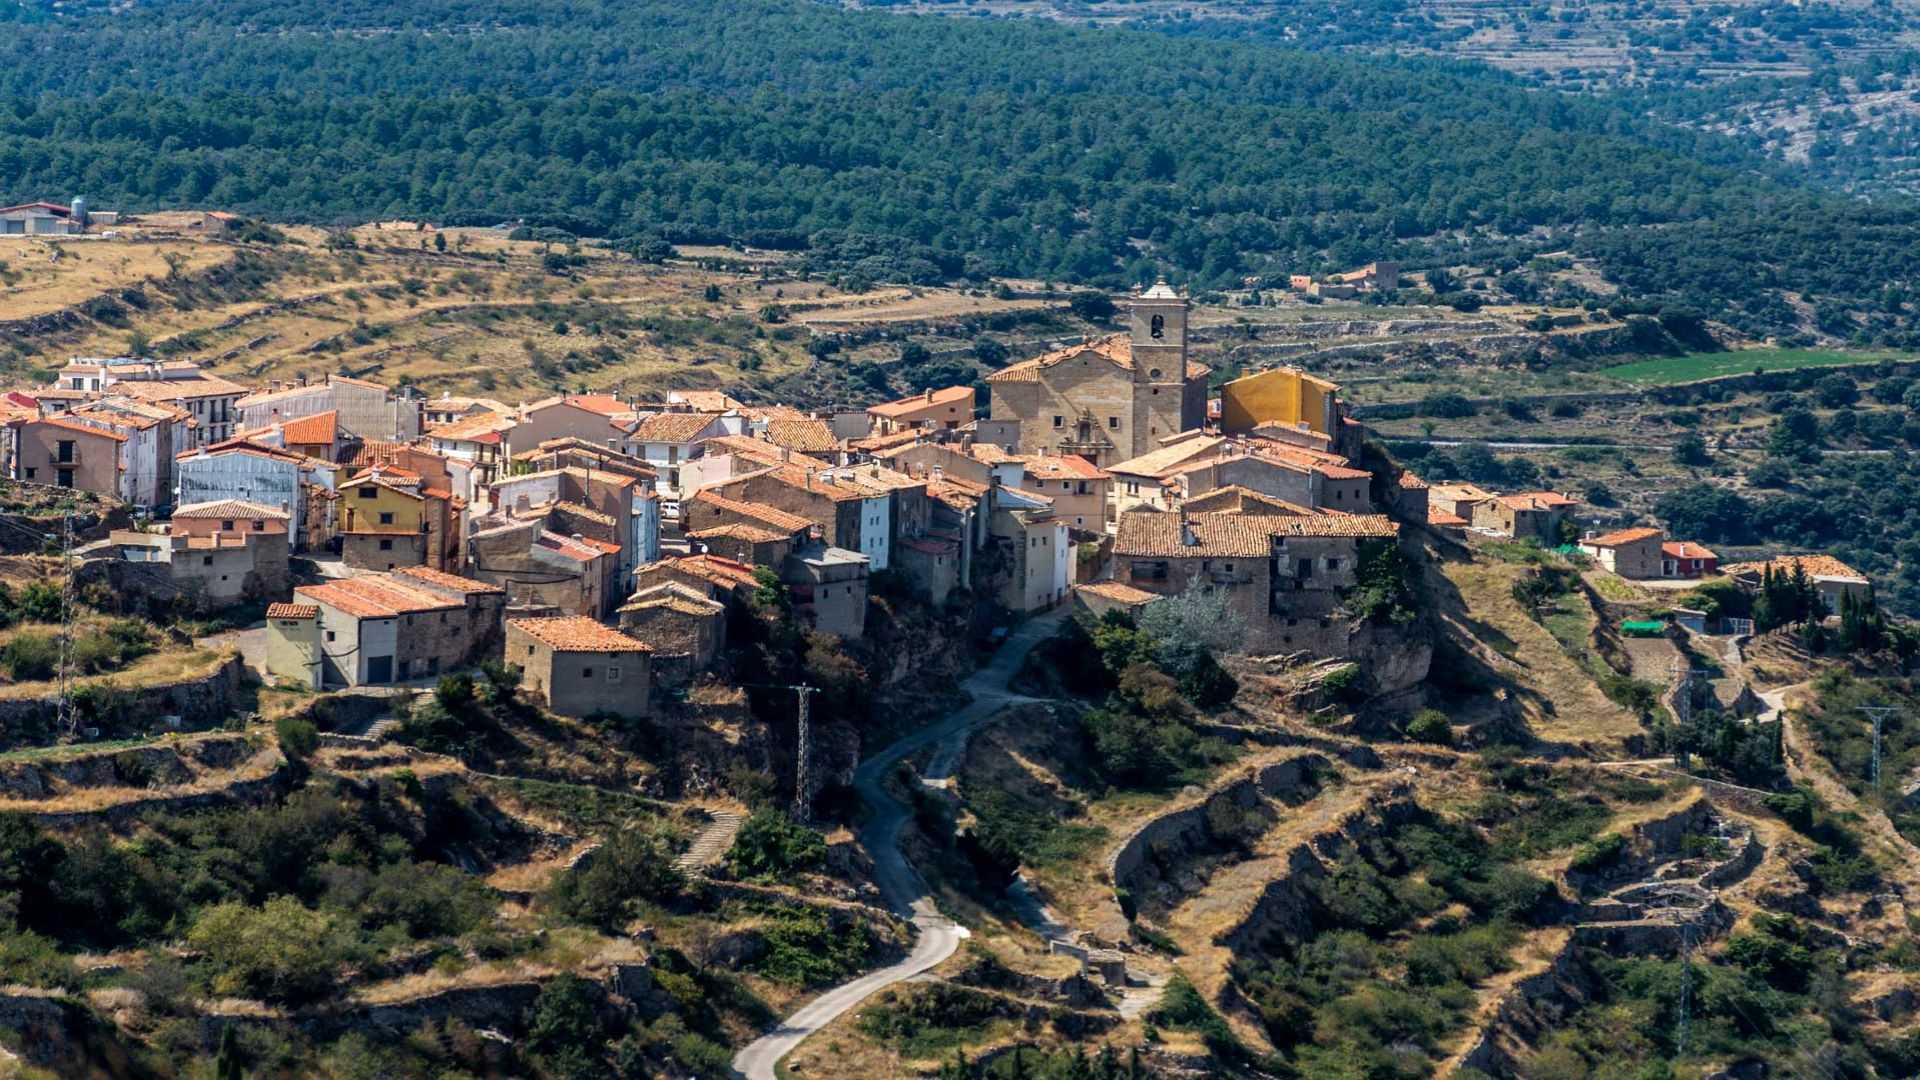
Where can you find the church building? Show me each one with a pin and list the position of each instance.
(1113, 399)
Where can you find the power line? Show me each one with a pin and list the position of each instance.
(65, 718)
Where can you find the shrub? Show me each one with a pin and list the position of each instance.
(280, 951)
(1598, 853)
(1430, 726)
(298, 737)
(771, 845)
(633, 864)
(30, 657)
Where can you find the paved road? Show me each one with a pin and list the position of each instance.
(938, 936)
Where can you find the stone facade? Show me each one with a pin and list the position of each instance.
(580, 667)
(686, 629)
(829, 588)
(1111, 400)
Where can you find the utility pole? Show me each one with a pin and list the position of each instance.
(803, 763)
(1683, 704)
(65, 718)
(1685, 1019)
(1878, 714)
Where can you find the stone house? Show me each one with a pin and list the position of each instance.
(540, 566)
(365, 409)
(1530, 515)
(829, 589)
(216, 553)
(686, 629)
(1832, 578)
(1631, 553)
(475, 449)
(1458, 500)
(1285, 576)
(1034, 551)
(413, 623)
(64, 452)
(599, 504)
(389, 518)
(853, 507)
(666, 441)
(293, 651)
(251, 472)
(712, 576)
(945, 409)
(1686, 559)
(1110, 400)
(1078, 488)
(579, 667)
(155, 432)
(751, 544)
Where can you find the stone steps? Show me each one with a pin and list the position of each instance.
(711, 843)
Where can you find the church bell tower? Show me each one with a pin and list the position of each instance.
(1159, 336)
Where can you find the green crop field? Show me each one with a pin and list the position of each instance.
(1679, 369)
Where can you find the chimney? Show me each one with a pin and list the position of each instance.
(1187, 538)
(521, 504)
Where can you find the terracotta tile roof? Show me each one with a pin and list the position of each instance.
(1236, 535)
(677, 597)
(991, 454)
(776, 412)
(604, 404)
(726, 573)
(840, 484)
(1210, 536)
(1815, 566)
(265, 397)
(958, 494)
(1236, 499)
(1686, 549)
(584, 512)
(1167, 459)
(376, 452)
(752, 534)
(475, 428)
(1442, 519)
(308, 430)
(1623, 537)
(806, 436)
(74, 425)
(706, 401)
(293, 611)
(1536, 500)
(1118, 348)
(1460, 493)
(930, 399)
(105, 415)
(761, 512)
(582, 549)
(374, 596)
(671, 427)
(366, 383)
(1062, 467)
(445, 580)
(236, 509)
(1410, 482)
(252, 449)
(577, 633)
(1119, 592)
(176, 389)
(875, 443)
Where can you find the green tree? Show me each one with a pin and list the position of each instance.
(280, 951)
(770, 845)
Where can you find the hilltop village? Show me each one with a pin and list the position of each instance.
(1072, 710)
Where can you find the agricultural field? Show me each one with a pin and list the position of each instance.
(1666, 371)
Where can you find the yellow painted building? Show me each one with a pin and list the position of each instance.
(1280, 396)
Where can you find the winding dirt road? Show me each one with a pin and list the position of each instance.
(899, 883)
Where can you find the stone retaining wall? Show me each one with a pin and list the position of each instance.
(201, 702)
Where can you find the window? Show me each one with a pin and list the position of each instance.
(369, 492)
(529, 650)
(206, 560)
(1333, 564)
(329, 635)
(386, 545)
(1059, 421)
(1113, 422)
(1158, 327)
(386, 518)
(66, 450)
(30, 473)
(613, 673)
(586, 673)
(259, 526)
(226, 526)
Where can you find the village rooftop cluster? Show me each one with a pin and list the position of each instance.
(598, 541)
